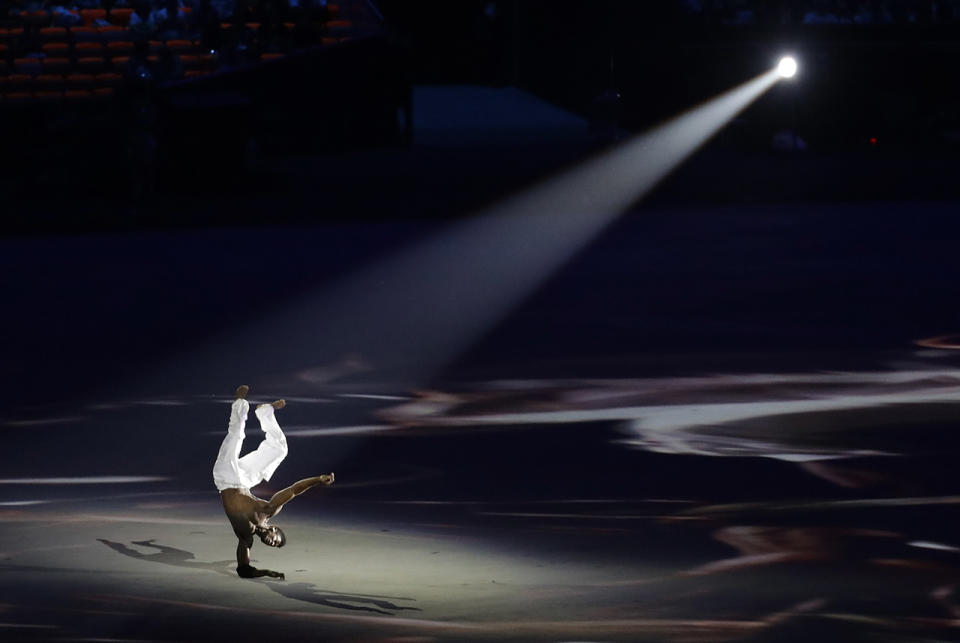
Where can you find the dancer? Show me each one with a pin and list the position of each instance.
(235, 476)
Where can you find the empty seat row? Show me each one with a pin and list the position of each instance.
(68, 34)
(80, 49)
(117, 16)
(93, 64)
(54, 96)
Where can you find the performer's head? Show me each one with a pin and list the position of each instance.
(272, 536)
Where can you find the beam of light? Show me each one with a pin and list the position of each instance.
(85, 480)
(412, 313)
(925, 544)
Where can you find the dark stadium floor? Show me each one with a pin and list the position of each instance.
(715, 422)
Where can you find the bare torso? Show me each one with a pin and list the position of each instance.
(245, 511)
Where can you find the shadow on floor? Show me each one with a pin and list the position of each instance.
(169, 556)
(310, 593)
(307, 592)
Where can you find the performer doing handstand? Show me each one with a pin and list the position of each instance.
(234, 477)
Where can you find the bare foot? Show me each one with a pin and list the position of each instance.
(327, 479)
(241, 392)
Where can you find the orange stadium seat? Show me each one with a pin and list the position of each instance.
(108, 79)
(195, 73)
(333, 10)
(37, 18)
(77, 95)
(120, 48)
(272, 56)
(156, 45)
(103, 92)
(91, 15)
(56, 49)
(75, 81)
(339, 26)
(113, 32)
(120, 62)
(19, 81)
(53, 33)
(91, 64)
(4, 50)
(56, 65)
(87, 49)
(120, 16)
(48, 95)
(180, 46)
(21, 97)
(190, 62)
(85, 34)
(27, 65)
(49, 81)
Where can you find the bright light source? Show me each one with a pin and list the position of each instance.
(787, 68)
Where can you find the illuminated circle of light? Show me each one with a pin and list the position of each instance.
(787, 67)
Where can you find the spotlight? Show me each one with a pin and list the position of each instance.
(787, 68)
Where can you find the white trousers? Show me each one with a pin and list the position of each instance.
(230, 470)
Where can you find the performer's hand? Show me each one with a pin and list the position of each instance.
(248, 571)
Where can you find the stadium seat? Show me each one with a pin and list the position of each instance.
(48, 96)
(77, 95)
(56, 49)
(180, 46)
(91, 15)
(79, 81)
(49, 81)
(20, 97)
(120, 48)
(19, 82)
(87, 49)
(108, 79)
(85, 34)
(195, 73)
(190, 62)
(36, 19)
(91, 64)
(113, 32)
(4, 50)
(333, 10)
(339, 27)
(48, 34)
(119, 63)
(27, 66)
(103, 92)
(272, 57)
(56, 65)
(156, 45)
(120, 16)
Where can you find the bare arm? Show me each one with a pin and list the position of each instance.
(286, 495)
(244, 569)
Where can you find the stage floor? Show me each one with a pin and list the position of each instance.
(711, 424)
